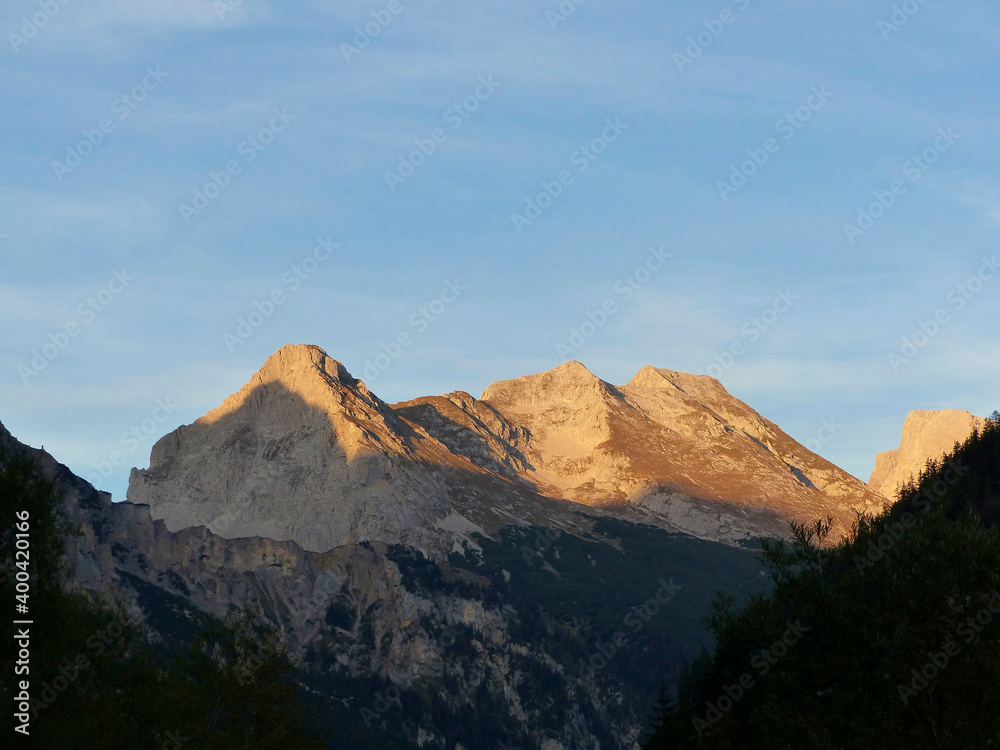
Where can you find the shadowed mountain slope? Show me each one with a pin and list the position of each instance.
(305, 451)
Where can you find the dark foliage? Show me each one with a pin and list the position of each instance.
(890, 639)
(96, 682)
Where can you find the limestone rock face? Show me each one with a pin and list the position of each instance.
(677, 445)
(306, 452)
(303, 451)
(470, 428)
(373, 614)
(927, 435)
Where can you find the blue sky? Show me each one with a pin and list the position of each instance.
(738, 138)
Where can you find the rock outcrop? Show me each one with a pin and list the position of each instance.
(482, 638)
(927, 436)
(304, 451)
(675, 446)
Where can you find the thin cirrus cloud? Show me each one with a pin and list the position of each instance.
(231, 63)
(103, 27)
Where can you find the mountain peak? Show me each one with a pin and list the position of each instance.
(570, 381)
(294, 360)
(303, 370)
(573, 367)
(926, 435)
(291, 452)
(668, 391)
(305, 451)
(295, 356)
(695, 386)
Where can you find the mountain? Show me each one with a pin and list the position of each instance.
(306, 452)
(455, 571)
(536, 636)
(675, 444)
(927, 436)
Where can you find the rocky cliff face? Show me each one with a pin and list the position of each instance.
(418, 555)
(676, 444)
(306, 452)
(553, 634)
(927, 435)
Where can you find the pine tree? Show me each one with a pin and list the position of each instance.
(889, 639)
(98, 685)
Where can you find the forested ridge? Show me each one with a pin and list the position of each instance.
(97, 682)
(889, 639)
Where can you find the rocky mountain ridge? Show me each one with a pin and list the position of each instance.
(497, 547)
(395, 643)
(305, 451)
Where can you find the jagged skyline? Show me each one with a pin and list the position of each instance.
(727, 189)
(305, 451)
